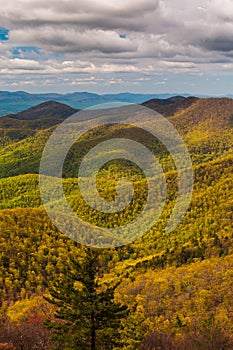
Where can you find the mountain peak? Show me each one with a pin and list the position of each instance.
(171, 105)
(48, 109)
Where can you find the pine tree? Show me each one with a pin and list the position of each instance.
(87, 318)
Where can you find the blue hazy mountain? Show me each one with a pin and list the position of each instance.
(14, 102)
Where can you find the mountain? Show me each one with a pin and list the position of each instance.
(170, 106)
(16, 127)
(136, 98)
(45, 110)
(179, 284)
(14, 102)
(216, 113)
(204, 124)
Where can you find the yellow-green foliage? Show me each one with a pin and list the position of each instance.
(171, 281)
(24, 308)
(189, 293)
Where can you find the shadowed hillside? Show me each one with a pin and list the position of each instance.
(49, 109)
(170, 106)
(206, 127)
(15, 127)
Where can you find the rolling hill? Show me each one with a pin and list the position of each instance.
(181, 282)
(208, 135)
(15, 127)
(45, 110)
(170, 106)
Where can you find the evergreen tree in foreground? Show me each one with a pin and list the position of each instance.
(87, 316)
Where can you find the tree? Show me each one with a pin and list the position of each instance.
(135, 330)
(87, 316)
(210, 335)
(22, 326)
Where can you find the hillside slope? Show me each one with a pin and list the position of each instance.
(179, 285)
(170, 106)
(18, 126)
(45, 110)
(206, 127)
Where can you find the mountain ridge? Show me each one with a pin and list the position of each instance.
(48, 109)
(14, 102)
(170, 106)
(178, 280)
(207, 135)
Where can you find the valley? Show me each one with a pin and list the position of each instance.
(177, 286)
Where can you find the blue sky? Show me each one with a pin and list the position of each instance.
(4, 34)
(105, 46)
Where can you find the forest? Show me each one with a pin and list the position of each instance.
(170, 291)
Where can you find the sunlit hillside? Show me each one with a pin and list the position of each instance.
(177, 285)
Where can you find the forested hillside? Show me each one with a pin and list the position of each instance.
(177, 287)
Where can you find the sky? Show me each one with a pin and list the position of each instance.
(109, 46)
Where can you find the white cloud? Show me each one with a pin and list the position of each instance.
(22, 66)
(107, 37)
(72, 40)
(150, 28)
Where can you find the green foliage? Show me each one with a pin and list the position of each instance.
(134, 329)
(206, 127)
(179, 299)
(90, 318)
(32, 252)
(40, 252)
(181, 282)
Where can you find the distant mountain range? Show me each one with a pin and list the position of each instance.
(14, 102)
(52, 110)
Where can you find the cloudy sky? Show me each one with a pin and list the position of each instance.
(146, 46)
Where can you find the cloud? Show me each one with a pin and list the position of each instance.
(150, 28)
(52, 66)
(219, 43)
(72, 40)
(107, 37)
(18, 64)
(98, 25)
(104, 14)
